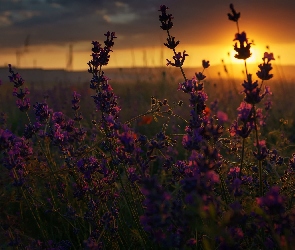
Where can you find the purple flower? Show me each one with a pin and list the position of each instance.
(100, 55)
(252, 91)
(6, 137)
(127, 138)
(23, 104)
(243, 51)
(205, 64)
(234, 16)
(266, 67)
(165, 19)
(178, 59)
(109, 42)
(75, 101)
(245, 112)
(31, 129)
(243, 131)
(59, 118)
(171, 43)
(42, 111)
(273, 202)
(262, 152)
(15, 78)
(188, 86)
(200, 76)
(222, 116)
(20, 94)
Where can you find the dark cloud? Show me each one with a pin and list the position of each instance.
(136, 22)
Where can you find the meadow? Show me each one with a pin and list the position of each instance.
(174, 160)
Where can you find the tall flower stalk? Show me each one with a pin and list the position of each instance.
(252, 93)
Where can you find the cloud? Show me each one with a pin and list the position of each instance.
(120, 18)
(122, 15)
(136, 22)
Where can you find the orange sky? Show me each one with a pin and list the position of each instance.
(42, 39)
(56, 57)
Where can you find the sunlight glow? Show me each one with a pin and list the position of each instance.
(53, 56)
(256, 56)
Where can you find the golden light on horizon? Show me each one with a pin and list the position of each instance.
(55, 57)
(256, 56)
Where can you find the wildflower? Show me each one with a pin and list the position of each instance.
(243, 51)
(165, 19)
(205, 64)
(127, 138)
(252, 91)
(266, 67)
(207, 111)
(42, 111)
(75, 101)
(268, 56)
(59, 118)
(275, 158)
(171, 44)
(234, 16)
(23, 104)
(267, 105)
(31, 129)
(178, 59)
(109, 42)
(273, 201)
(156, 215)
(243, 131)
(222, 116)
(188, 86)
(200, 76)
(21, 94)
(198, 100)
(100, 55)
(15, 78)
(147, 119)
(106, 100)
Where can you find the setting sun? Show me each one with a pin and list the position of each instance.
(256, 56)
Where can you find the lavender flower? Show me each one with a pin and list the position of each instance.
(243, 51)
(15, 78)
(178, 59)
(252, 92)
(266, 67)
(42, 111)
(165, 19)
(234, 16)
(22, 103)
(273, 202)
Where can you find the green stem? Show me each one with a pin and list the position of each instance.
(258, 149)
(246, 69)
(242, 158)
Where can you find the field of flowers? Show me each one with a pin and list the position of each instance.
(201, 166)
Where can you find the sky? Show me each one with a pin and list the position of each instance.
(41, 33)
